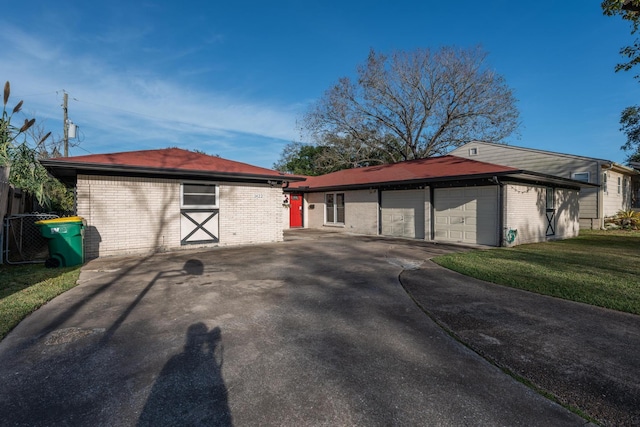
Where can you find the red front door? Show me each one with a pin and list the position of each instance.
(295, 210)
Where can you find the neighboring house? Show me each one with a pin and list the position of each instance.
(596, 203)
(155, 200)
(443, 199)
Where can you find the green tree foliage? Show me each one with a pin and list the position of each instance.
(629, 10)
(300, 159)
(26, 172)
(410, 105)
(630, 126)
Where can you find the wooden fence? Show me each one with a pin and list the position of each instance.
(13, 201)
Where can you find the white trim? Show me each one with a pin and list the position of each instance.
(573, 176)
(216, 195)
(619, 185)
(335, 208)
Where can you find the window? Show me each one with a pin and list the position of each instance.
(335, 208)
(581, 176)
(473, 151)
(604, 182)
(619, 185)
(198, 196)
(550, 199)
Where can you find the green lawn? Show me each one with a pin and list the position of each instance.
(599, 268)
(24, 288)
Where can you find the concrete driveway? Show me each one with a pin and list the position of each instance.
(314, 331)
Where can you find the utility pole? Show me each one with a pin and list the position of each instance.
(65, 124)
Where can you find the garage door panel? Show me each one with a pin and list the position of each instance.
(455, 234)
(442, 220)
(466, 215)
(402, 213)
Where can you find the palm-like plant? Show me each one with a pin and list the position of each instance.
(628, 218)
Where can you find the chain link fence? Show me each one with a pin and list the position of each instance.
(23, 242)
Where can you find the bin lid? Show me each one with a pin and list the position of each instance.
(59, 220)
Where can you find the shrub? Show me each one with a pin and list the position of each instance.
(628, 219)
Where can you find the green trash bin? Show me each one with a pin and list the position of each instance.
(66, 240)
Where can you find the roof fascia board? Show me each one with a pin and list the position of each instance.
(617, 167)
(551, 179)
(515, 175)
(94, 167)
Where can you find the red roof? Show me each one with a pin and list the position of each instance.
(175, 159)
(432, 168)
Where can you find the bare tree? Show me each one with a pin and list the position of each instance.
(411, 105)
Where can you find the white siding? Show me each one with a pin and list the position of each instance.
(616, 198)
(532, 160)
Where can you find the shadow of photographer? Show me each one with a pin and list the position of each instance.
(190, 389)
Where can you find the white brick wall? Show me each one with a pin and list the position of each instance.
(128, 215)
(526, 212)
(250, 213)
(142, 215)
(361, 211)
(567, 213)
(314, 210)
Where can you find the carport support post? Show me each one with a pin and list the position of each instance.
(501, 213)
(432, 213)
(380, 211)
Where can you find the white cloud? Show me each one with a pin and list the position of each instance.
(123, 105)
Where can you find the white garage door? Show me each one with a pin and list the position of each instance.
(467, 215)
(403, 213)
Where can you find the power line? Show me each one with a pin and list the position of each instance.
(164, 119)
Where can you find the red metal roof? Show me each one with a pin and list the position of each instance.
(172, 159)
(432, 168)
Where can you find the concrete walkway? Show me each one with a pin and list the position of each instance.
(314, 331)
(586, 356)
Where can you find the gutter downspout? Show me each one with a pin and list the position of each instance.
(601, 194)
(432, 214)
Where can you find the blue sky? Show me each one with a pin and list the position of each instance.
(233, 78)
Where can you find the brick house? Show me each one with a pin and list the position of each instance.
(442, 199)
(156, 200)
